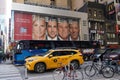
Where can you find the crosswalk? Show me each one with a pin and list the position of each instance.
(9, 72)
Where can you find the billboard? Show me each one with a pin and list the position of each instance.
(111, 8)
(22, 26)
(41, 27)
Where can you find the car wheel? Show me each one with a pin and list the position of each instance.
(40, 67)
(85, 58)
(75, 64)
(91, 57)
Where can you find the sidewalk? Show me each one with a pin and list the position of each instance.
(9, 72)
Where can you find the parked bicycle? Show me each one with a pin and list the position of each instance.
(104, 69)
(116, 66)
(67, 72)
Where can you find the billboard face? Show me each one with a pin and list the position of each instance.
(22, 26)
(38, 27)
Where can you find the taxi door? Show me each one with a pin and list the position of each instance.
(66, 57)
(54, 60)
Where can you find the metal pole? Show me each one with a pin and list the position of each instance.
(26, 75)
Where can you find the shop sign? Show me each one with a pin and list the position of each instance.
(112, 42)
(88, 51)
(92, 31)
(100, 32)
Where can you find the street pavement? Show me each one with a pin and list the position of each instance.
(49, 77)
(9, 71)
(96, 77)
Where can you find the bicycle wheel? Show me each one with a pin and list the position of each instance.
(90, 71)
(107, 72)
(58, 74)
(118, 68)
(77, 75)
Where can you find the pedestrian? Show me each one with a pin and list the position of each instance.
(7, 56)
(0, 58)
(11, 57)
(4, 57)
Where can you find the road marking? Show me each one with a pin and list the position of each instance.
(43, 76)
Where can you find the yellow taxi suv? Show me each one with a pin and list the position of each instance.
(52, 58)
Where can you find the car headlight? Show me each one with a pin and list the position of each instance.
(30, 60)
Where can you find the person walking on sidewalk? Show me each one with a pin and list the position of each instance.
(1, 57)
(4, 57)
(7, 56)
(11, 56)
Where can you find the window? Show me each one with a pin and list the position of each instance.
(92, 37)
(84, 22)
(14, 0)
(118, 18)
(117, 1)
(96, 1)
(100, 27)
(25, 1)
(21, 46)
(95, 13)
(72, 52)
(67, 53)
(93, 26)
(52, 2)
(101, 36)
(56, 53)
(110, 35)
(90, 12)
(110, 28)
(63, 53)
(100, 14)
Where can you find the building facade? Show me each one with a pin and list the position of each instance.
(103, 23)
(111, 35)
(24, 16)
(117, 11)
(65, 4)
(96, 21)
(103, 20)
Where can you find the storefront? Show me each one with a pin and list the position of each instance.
(118, 32)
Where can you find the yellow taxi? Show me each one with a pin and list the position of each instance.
(52, 58)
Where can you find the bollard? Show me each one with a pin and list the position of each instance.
(26, 75)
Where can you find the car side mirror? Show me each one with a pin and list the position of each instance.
(50, 56)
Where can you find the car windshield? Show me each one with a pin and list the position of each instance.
(100, 51)
(116, 51)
